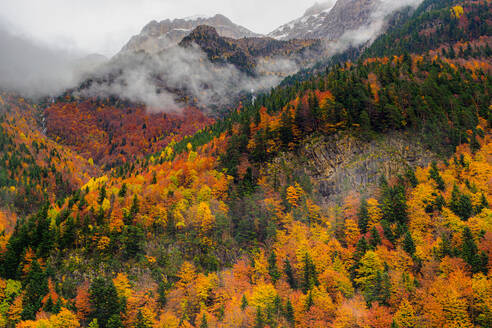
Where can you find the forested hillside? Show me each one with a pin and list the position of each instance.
(201, 223)
(113, 132)
(34, 168)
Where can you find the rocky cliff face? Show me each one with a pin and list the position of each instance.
(299, 28)
(342, 163)
(328, 21)
(245, 53)
(157, 36)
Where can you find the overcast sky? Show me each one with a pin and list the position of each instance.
(104, 26)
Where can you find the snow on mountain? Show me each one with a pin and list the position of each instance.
(312, 19)
(157, 36)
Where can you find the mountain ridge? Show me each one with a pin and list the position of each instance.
(156, 36)
(244, 53)
(359, 196)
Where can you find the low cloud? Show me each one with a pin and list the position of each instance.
(34, 69)
(370, 31)
(161, 80)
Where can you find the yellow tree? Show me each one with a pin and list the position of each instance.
(145, 317)
(122, 285)
(167, 320)
(64, 319)
(260, 270)
(263, 296)
(186, 275)
(482, 298)
(352, 233)
(405, 317)
(351, 205)
(374, 212)
(205, 217)
(294, 193)
(455, 309)
(367, 273)
(457, 11)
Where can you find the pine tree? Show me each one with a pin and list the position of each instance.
(48, 306)
(434, 175)
(135, 207)
(309, 301)
(141, 323)
(483, 204)
(272, 267)
(474, 144)
(360, 249)
(394, 203)
(375, 238)
(285, 131)
(105, 302)
(408, 244)
(461, 204)
(310, 277)
(469, 253)
(380, 291)
(204, 323)
(244, 302)
(365, 121)
(363, 217)
(162, 293)
(123, 190)
(102, 195)
(289, 313)
(57, 306)
(36, 288)
(412, 179)
(290, 274)
(259, 320)
(388, 233)
(454, 205)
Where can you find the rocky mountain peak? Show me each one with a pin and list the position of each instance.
(319, 7)
(328, 20)
(204, 30)
(157, 36)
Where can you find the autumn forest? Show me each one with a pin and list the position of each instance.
(356, 193)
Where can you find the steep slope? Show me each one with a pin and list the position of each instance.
(34, 169)
(460, 32)
(112, 133)
(205, 70)
(343, 162)
(246, 53)
(312, 19)
(330, 21)
(351, 21)
(157, 36)
(229, 228)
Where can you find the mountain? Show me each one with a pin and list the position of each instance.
(312, 19)
(358, 197)
(330, 20)
(245, 53)
(205, 70)
(89, 63)
(157, 36)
